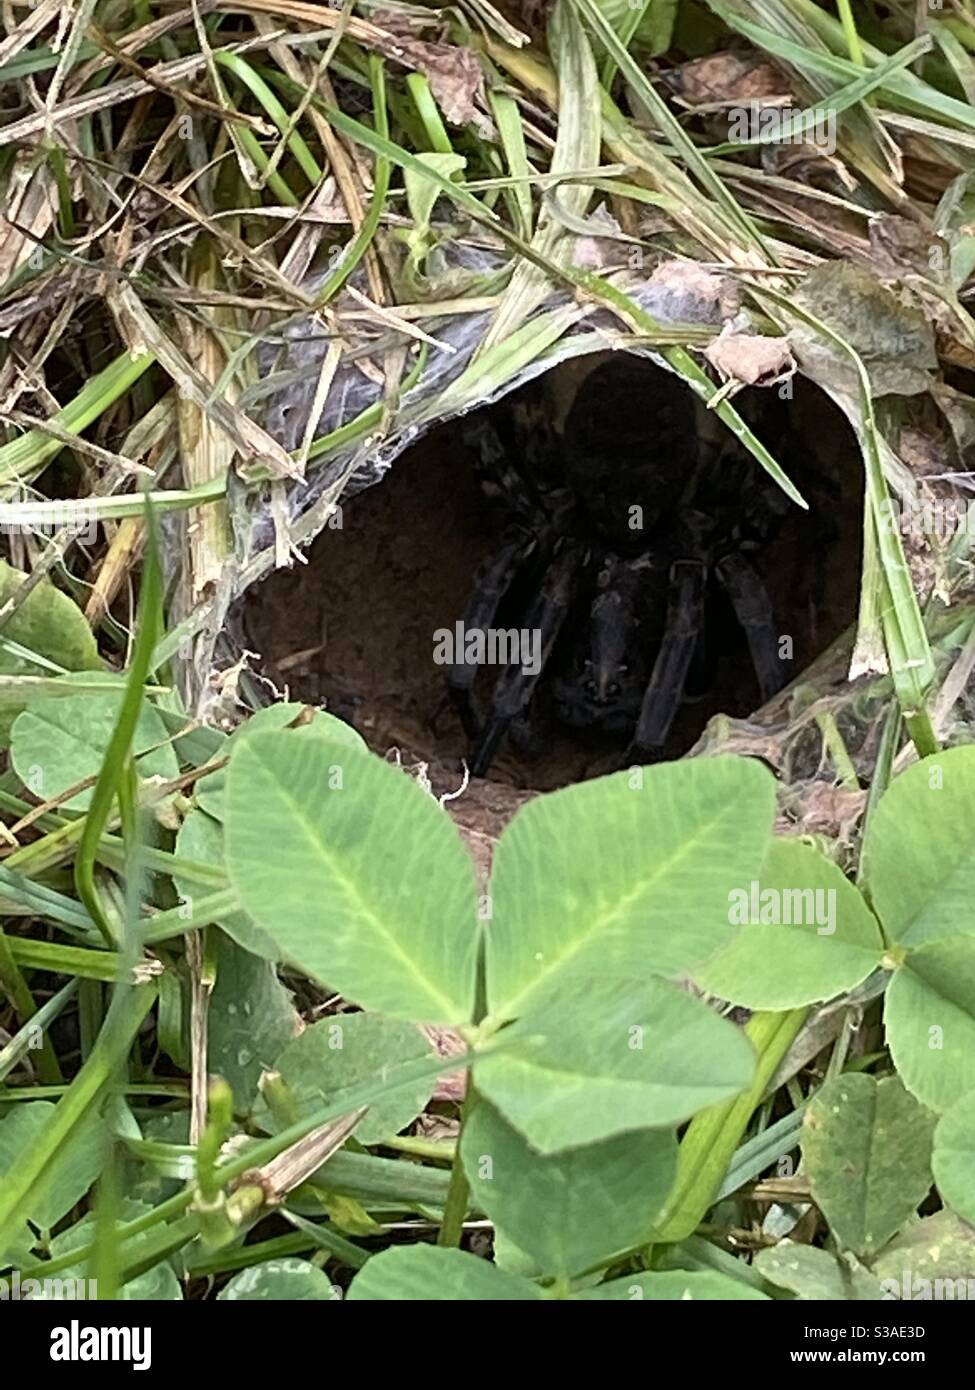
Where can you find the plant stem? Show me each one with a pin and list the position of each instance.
(16, 988)
(712, 1137)
(853, 44)
(459, 1191)
(26, 455)
(252, 1157)
(101, 1068)
(837, 750)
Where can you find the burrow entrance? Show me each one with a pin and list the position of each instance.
(353, 629)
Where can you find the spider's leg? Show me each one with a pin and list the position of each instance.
(492, 582)
(753, 609)
(700, 675)
(685, 618)
(543, 620)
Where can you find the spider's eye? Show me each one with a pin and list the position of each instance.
(614, 689)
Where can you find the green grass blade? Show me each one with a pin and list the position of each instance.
(670, 127)
(24, 457)
(108, 1054)
(118, 752)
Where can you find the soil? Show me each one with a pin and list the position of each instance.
(353, 627)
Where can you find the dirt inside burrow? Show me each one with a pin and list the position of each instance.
(352, 629)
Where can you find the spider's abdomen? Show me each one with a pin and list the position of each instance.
(630, 447)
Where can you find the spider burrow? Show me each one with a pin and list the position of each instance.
(618, 538)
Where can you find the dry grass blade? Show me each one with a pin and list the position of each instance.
(253, 443)
(577, 147)
(27, 30)
(206, 448)
(296, 1164)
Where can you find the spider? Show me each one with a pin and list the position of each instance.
(613, 543)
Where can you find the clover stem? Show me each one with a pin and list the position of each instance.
(459, 1191)
(710, 1140)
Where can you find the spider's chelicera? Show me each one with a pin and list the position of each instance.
(616, 538)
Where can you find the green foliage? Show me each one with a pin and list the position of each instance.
(623, 877)
(953, 1160)
(312, 825)
(209, 793)
(918, 857)
(866, 1146)
(600, 1060)
(337, 1053)
(280, 1281)
(569, 1210)
(588, 1054)
(251, 1020)
(78, 1166)
(939, 1247)
(157, 1284)
(47, 626)
(200, 838)
(930, 1018)
(55, 744)
(650, 23)
(783, 965)
(568, 982)
(195, 932)
(673, 1286)
(816, 1275)
(421, 1273)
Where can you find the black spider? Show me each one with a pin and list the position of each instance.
(612, 543)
